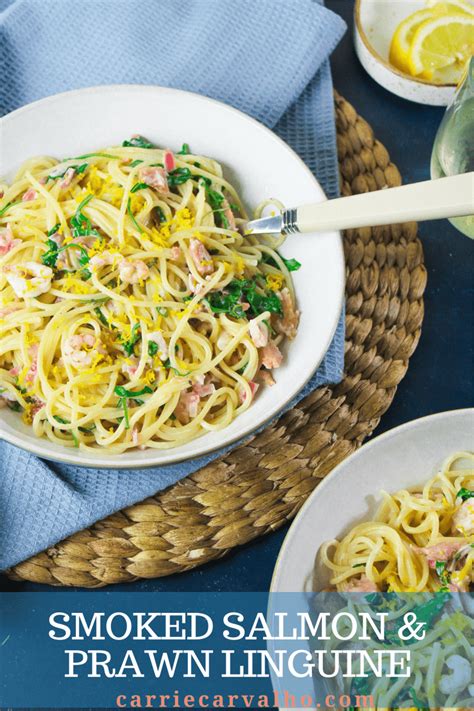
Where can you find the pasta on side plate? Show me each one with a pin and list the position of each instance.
(134, 311)
(420, 540)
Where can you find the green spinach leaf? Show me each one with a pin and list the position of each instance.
(138, 142)
(465, 494)
(129, 345)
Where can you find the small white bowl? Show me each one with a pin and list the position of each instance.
(374, 25)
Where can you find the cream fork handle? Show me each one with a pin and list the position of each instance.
(445, 197)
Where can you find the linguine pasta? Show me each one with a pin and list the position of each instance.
(134, 312)
(420, 540)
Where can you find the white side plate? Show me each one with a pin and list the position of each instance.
(403, 457)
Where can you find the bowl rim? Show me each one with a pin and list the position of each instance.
(393, 432)
(71, 457)
(390, 67)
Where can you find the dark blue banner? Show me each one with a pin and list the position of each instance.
(234, 650)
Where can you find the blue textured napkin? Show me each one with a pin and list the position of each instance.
(268, 58)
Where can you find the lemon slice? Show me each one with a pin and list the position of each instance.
(440, 44)
(444, 8)
(401, 40)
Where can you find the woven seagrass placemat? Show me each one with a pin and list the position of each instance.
(261, 485)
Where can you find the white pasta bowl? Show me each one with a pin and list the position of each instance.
(401, 458)
(256, 161)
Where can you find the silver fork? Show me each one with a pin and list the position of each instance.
(430, 200)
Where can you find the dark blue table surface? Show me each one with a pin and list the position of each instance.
(440, 373)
